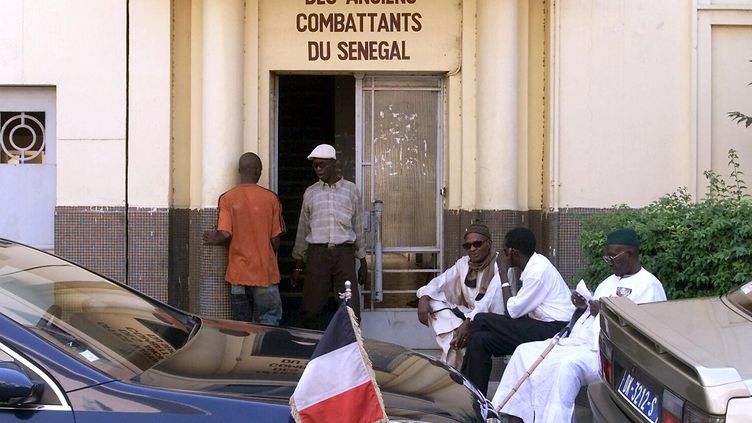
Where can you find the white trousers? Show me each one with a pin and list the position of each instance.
(443, 324)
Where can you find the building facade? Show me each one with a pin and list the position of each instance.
(122, 122)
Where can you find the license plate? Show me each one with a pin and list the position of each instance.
(640, 396)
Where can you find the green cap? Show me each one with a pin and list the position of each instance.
(624, 236)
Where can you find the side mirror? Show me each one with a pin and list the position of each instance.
(15, 386)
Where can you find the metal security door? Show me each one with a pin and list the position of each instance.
(28, 165)
(399, 147)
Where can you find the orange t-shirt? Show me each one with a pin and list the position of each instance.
(253, 216)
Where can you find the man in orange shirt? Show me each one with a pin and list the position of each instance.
(250, 218)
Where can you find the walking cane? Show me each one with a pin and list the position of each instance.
(563, 333)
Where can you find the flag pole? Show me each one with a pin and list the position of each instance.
(341, 340)
(347, 295)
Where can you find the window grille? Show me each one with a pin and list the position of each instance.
(22, 139)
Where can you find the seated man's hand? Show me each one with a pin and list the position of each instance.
(595, 307)
(503, 262)
(461, 335)
(579, 301)
(424, 310)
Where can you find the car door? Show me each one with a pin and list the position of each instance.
(52, 406)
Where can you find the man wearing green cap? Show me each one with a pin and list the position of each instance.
(549, 392)
(471, 286)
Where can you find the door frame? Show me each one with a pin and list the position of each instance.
(396, 325)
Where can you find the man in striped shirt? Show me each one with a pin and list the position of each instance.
(329, 238)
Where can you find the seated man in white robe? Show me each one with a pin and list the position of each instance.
(549, 393)
(469, 287)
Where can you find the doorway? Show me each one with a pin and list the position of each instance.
(311, 110)
(387, 131)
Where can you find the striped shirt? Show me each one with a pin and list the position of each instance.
(330, 214)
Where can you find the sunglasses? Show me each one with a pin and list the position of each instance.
(612, 259)
(476, 244)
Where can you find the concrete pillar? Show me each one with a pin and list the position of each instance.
(498, 79)
(222, 132)
(251, 88)
(221, 136)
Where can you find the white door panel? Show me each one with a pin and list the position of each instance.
(28, 204)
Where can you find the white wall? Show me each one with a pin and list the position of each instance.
(150, 91)
(79, 47)
(624, 100)
(628, 128)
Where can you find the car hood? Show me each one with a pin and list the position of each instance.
(707, 334)
(264, 362)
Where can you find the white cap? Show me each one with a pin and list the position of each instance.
(323, 151)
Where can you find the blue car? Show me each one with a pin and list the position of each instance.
(77, 347)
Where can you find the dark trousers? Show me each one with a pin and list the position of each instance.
(493, 335)
(327, 268)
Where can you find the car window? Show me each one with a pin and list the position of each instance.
(97, 321)
(742, 297)
(51, 394)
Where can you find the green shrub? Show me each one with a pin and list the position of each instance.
(695, 248)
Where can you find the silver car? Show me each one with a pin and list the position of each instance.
(676, 361)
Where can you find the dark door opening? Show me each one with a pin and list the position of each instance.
(312, 109)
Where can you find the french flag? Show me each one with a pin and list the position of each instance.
(338, 384)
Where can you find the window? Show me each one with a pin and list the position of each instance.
(22, 138)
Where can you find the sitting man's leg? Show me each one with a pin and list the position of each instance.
(490, 335)
(560, 381)
(520, 404)
(443, 323)
(493, 335)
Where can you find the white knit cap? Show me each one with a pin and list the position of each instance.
(323, 151)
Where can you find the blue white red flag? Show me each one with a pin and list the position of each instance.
(338, 384)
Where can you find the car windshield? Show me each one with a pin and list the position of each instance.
(742, 297)
(97, 321)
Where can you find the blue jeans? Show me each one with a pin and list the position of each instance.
(264, 301)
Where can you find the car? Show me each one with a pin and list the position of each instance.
(675, 361)
(75, 346)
